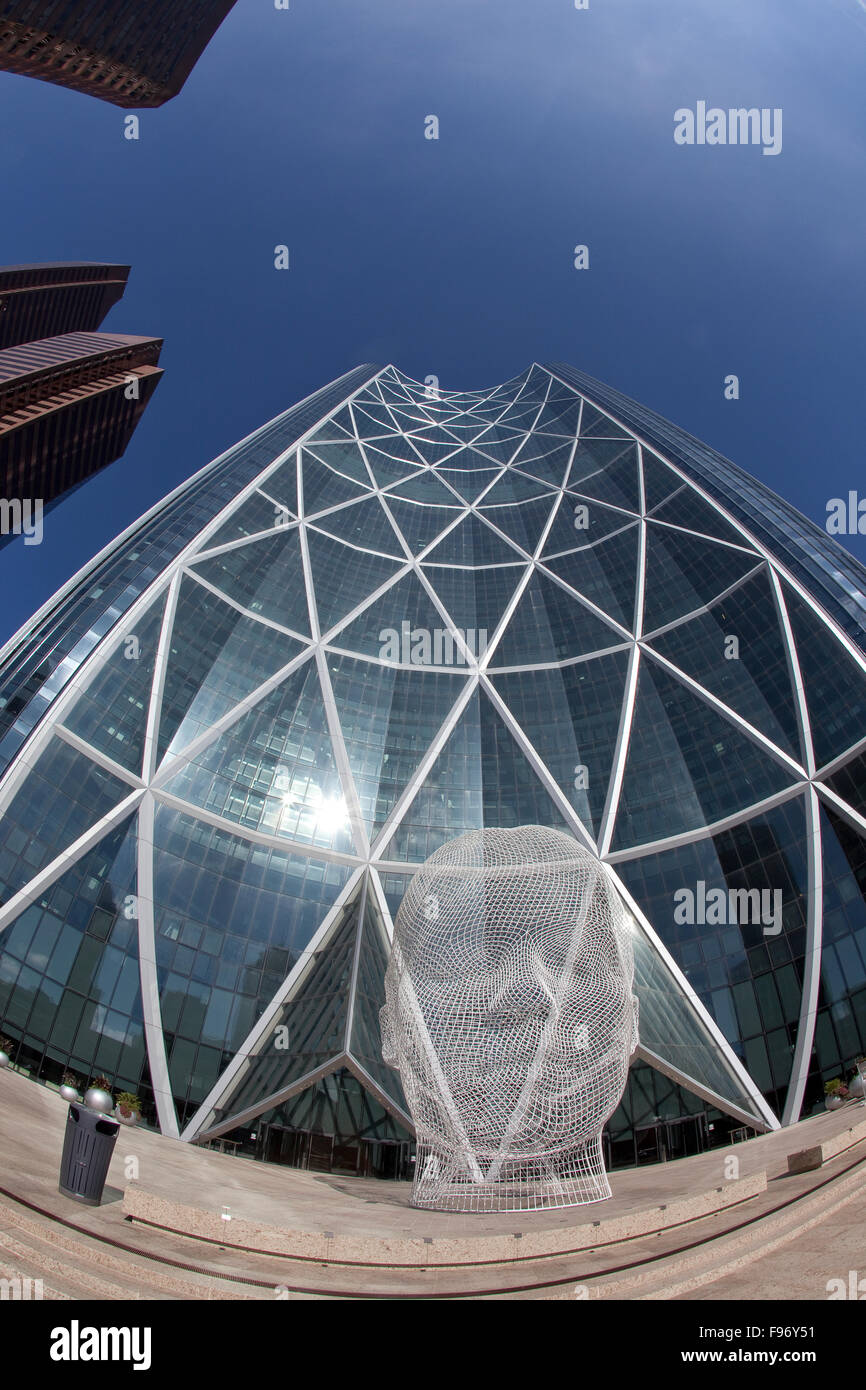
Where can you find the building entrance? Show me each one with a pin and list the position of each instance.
(325, 1153)
(663, 1140)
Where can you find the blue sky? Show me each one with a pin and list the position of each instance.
(455, 257)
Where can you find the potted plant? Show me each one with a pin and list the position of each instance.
(69, 1086)
(128, 1108)
(857, 1085)
(835, 1093)
(5, 1051)
(98, 1095)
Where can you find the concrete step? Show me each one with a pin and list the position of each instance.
(82, 1266)
(35, 1257)
(20, 1274)
(681, 1272)
(155, 1263)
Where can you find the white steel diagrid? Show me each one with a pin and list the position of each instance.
(264, 663)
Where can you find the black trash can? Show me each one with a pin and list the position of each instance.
(87, 1149)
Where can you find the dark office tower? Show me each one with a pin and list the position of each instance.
(390, 616)
(41, 301)
(68, 407)
(125, 51)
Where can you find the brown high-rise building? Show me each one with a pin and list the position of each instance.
(127, 52)
(68, 407)
(42, 301)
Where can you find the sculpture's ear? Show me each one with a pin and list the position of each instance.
(635, 1008)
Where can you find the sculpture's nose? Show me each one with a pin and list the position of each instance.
(523, 980)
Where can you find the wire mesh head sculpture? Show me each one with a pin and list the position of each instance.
(510, 1016)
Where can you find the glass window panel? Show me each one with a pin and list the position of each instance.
(686, 767)
(606, 469)
(756, 680)
(548, 624)
(685, 573)
(273, 769)
(266, 576)
(216, 657)
(835, 685)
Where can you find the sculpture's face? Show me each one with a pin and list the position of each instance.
(512, 1015)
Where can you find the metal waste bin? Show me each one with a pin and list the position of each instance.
(87, 1148)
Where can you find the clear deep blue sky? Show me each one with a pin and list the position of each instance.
(454, 256)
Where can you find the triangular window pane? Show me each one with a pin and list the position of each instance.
(251, 518)
(606, 573)
(282, 484)
(266, 576)
(835, 685)
(480, 778)
(315, 1019)
(337, 428)
(388, 470)
(685, 573)
(750, 980)
(550, 464)
(522, 522)
(372, 420)
(518, 417)
(659, 481)
(420, 525)
(434, 451)
(571, 716)
(752, 676)
(363, 524)
(365, 1038)
(343, 577)
(689, 510)
(393, 449)
(401, 626)
(419, 422)
(273, 770)
(472, 543)
(597, 425)
(216, 657)
(426, 487)
(843, 958)
(687, 767)
(345, 459)
(850, 783)
(497, 450)
(111, 714)
(515, 487)
(69, 971)
(581, 522)
(607, 469)
(410, 707)
(560, 417)
(549, 625)
(469, 484)
(475, 599)
(63, 795)
(323, 487)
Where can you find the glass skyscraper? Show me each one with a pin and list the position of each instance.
(389, 616)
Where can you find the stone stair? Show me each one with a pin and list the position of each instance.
(145, 1262)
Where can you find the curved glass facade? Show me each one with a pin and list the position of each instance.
(390, 616)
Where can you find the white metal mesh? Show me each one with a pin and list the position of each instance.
(510, 1016)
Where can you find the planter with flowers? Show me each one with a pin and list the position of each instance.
(835, 1093)
(69, 1086)
(128, 1108)
(6, 1046)
(98, 1095)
